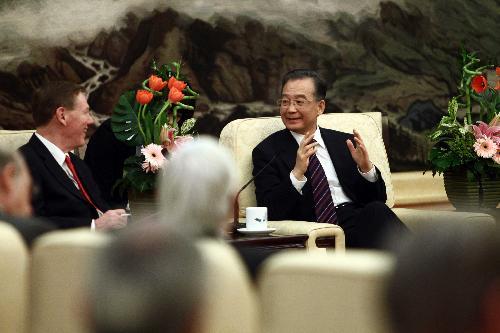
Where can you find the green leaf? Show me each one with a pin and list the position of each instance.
(124, 120)
(134, 177)
(187, 126)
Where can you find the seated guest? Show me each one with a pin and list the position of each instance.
(68, 195)
(197, 188)
(15, 198)
(197, 193)
(104, 156)
(147, 280)
(447, 280)
(317, 174)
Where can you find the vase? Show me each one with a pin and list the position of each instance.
(466, 194)
(143, 206)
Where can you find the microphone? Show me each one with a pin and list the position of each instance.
(236, 205)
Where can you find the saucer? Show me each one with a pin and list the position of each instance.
(256, 232)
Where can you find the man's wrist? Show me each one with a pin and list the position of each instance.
(298, 175)
(366, 168)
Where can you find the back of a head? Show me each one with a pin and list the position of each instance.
(198, 187)
(441, 278)
(147, 280)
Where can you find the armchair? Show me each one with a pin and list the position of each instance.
(12, 140)
(242, 135)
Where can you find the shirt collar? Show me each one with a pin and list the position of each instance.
(317, 136)
(55, 151)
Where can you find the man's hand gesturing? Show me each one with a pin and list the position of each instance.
(305, 150)
(359, 154)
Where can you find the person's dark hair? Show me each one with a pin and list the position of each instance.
(149, 279)
(319, 83)
(441, 278)
(52, 95)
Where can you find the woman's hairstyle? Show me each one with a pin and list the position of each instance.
(197, 187)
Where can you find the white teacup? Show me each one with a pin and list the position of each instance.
(256, 218)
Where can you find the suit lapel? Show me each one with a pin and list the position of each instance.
(335, 145)
(54, 168)
(286, 147)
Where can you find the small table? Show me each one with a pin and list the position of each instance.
(268, 241)
(276, 242)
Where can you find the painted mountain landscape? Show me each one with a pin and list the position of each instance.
(396, 57)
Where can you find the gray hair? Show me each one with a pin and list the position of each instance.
(441, 278)
(197, 187)
(147, 280)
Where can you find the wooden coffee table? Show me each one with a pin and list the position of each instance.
(276, 242)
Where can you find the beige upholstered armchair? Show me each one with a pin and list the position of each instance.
(11, 140)
(242, 135)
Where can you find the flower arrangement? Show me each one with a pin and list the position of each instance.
(473, 145)
(148, 118)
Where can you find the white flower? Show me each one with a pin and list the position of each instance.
(153, 156)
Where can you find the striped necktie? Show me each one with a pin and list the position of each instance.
(323, 202)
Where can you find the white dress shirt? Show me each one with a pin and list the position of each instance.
(60, 158)
(338, 194)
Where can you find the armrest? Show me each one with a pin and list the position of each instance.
(313, 230)
(416, 218)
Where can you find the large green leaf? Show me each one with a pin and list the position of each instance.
(124, 120)
(134, 177)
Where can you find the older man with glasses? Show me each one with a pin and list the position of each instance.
(317, 174)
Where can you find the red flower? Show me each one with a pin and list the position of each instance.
(498, 71)
(156, 83)
(479, 83)
(143, 96)
(175, 95)
(174, 83)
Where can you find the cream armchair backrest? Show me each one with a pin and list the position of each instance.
(59, 277)
(314, 292)
(12, 140)
(231, 301)
(242, 135)
(14, 279)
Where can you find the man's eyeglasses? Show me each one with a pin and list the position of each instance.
(300, 103)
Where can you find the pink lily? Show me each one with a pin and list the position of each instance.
(491, 130)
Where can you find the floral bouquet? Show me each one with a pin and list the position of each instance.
(473, 145)
(148, 118)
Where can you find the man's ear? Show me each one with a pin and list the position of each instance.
(60, 115)
(321, 107)
(7, 176)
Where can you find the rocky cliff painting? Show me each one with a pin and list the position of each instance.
(396, 57)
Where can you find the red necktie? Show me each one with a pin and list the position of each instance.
(78, 181)
(323, 202)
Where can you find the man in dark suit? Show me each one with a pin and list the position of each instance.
(15, 198)
(67, 194)
(317, 174)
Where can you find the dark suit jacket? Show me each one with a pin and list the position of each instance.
(58, 199)
(274, 189)
(28, 228)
